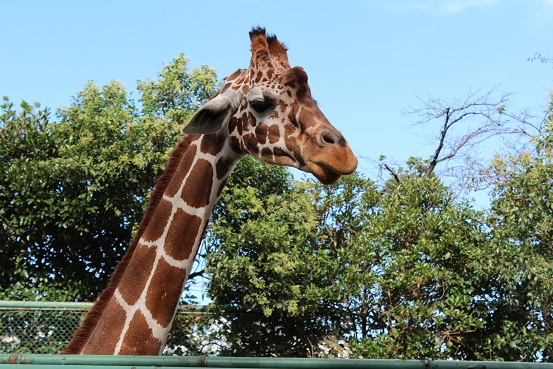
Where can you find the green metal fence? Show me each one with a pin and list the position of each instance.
(38, 327)
(139, 362)
(32, 332)
(47, 327)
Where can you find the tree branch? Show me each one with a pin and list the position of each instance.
(443, 134)
(199, 273)
(392, 172)
(467, 123)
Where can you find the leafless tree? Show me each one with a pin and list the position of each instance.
(539, 57)
(459, 128)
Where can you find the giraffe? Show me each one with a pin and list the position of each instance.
(266, 111)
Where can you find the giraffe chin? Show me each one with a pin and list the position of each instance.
(323, 174)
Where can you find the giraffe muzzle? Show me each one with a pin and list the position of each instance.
(333, 159)
(329, 138)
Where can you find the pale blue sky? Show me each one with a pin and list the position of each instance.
(366, 60)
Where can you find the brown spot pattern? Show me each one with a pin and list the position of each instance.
(181, 171)
(159, 221)
(210, 148)
(172, 280)
(109, 330)
(274, 134)
(137, 274)
(261, 132)
(250, 142)
(139, 339)
(292, 145)
(181, 235)
(258, 77)
(222, 167)
(199, 180)
(279, 152)
(235, 144)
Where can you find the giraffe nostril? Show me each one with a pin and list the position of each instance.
(329, 139)
(332, 138)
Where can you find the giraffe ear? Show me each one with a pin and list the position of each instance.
(213, 114)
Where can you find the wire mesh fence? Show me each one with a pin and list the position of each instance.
(46, 328)
(38, 328)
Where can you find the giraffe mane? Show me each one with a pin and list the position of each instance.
(82, 335)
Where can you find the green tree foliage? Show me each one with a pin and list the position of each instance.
(521, 288)
(74, 187)
(257, 254)
(409, 274)
(388, 272)
(403, 269)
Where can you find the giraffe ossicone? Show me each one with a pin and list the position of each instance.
(266, 111)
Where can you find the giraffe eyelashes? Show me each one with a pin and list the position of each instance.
(262, 105)
(261, 100)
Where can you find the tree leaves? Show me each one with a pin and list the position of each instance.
(75, 186)
(411, 272)
(401, 268)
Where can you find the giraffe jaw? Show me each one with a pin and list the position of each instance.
(328, 170)
(323, 174)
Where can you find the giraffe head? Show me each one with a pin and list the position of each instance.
(268, 112)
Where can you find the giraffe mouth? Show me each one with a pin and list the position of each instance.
(324, 174)
(329, 169)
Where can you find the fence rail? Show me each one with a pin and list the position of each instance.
(37, 327)
(31, 332)
(138, 362)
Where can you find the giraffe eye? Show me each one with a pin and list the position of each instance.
(261, 105)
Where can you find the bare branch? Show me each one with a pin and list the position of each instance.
(443, 133)
(467, 123)
(539, 57)
(392, 172)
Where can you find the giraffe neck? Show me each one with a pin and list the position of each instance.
(135, 318)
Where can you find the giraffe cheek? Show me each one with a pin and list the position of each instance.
(274, 134)
(251, 144)
(293, 146)
(262, 132)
